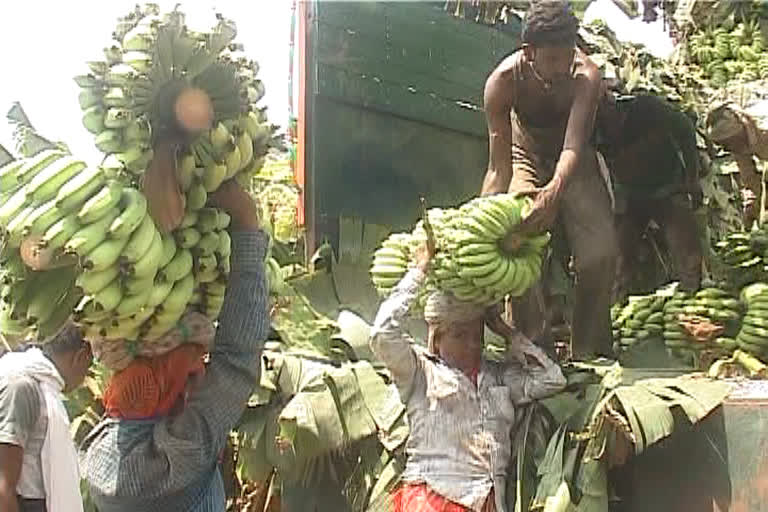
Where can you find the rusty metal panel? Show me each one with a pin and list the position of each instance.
(719, 465)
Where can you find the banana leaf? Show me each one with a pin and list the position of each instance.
(300, 326)
(28, 141)
(5, 156)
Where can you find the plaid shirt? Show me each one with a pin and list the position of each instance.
(460, 443)
(170, 464)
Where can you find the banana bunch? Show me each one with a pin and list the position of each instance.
(469, 261)
(97, 255)
(741, 257)
(640, 320)
(715, 305)
(753, 336)
(731, 51)
(128, 99)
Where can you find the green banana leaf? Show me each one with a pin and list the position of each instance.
(5, 156)
(28, 141)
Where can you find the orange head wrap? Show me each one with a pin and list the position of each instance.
(149, 387)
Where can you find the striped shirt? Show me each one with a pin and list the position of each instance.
(170, 464)
(460, 432)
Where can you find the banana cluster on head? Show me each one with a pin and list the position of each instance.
(108, 265)
(134, 96)
(469, 261)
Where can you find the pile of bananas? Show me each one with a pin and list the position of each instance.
(640, 320)
(76, 242)
(469, 261)
(741, 257)
(730, 52)
(128, 100)
(717, 311)
(753, 336)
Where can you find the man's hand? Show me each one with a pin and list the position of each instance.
(543, 213)
(11, 457)
(425, 253)
(238, 203)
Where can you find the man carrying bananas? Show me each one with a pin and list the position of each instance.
(169, 417)
(38, 459)
(651, 150)
(460, 407)
(540, 106)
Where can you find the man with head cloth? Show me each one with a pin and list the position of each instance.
(460, 407)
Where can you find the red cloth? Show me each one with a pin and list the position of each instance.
(420, 498)
(150, 387)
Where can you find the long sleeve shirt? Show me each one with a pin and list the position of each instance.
(459, 443)
(171, 463)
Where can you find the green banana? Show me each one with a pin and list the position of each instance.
(134, 209)
(225, 245)
(180, 294)
(42, 218)
(148, 264)
(196, 196)
(93, 118)
(179, 266)
(169, 249)
(46, 184)
(207, 263)
(224, 265)
(214, 175)
(159, 292)
(87, 238)
(93, 282)
(101, 203)
(207, 219)
(107, 299)
(140, 240)
(189, 219)
(207, 244)
(16, 227)
(493, 279)
(13, 206)
(73, 194)
(8, 174)
(105, 254)
(207, 275)
(479, 259)
(476, 248)
(60, 232)
(131, 304)
(115, 97)
(224, 220)
(35, 165)
(109, 141)
(480, 270)
(187, 238)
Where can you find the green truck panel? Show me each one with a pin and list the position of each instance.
(395, 101)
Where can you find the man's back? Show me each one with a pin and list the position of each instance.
(23, 423)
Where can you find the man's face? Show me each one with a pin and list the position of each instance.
(553, 64)
(77, 365)
(460, 345)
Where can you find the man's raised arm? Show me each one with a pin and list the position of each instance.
(497, 99)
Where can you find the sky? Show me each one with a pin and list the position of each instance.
(47, 42)
(635, 30)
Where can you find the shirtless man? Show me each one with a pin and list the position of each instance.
(540, 106)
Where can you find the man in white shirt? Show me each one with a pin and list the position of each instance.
(38, 459)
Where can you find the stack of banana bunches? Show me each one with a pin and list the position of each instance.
(79, 241)
(469, 260)
(639, 321)
(706, 320)
(753, 336)
(742, 256)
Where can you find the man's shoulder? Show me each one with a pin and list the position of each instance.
(509, 66)
(20, 387)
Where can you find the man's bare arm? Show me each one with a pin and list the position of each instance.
(11, 457)
(581, 123)
(497, 100)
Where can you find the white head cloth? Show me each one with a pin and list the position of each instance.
(443, 308)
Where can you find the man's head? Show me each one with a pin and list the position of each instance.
(71, 355)
(549, 38)
(455, 330)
